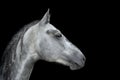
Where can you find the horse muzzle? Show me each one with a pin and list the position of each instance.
(77, 61)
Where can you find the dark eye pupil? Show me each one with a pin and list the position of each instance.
(58, 35)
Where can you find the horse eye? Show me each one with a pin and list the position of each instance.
(58, 35)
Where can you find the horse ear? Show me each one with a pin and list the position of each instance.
(46, 18)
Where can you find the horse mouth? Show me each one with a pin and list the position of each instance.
(75, 66)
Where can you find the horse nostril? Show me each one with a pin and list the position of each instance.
(83, 60)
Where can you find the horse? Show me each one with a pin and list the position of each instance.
(39, 40)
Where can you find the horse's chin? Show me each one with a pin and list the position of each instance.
(75, 66)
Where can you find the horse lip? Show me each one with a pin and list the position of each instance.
(75, 66)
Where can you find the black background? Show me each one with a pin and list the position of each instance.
(85, 24)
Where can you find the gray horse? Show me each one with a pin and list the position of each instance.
(39, 40)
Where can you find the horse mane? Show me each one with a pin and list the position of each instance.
(10, 51)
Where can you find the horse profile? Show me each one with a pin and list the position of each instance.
(39, 40)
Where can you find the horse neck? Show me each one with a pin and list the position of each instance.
(24, 70)
(26, 61)
(27, 58)
(21, 67)
(21, 62)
